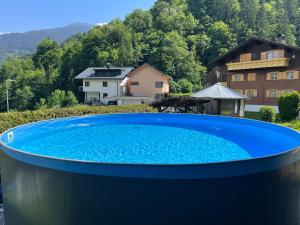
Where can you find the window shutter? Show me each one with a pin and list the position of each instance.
(296, 74)
(280, 75)
(267, 93)
(233, 77)
(251, 76)
(245, 57)
(263, 55)
(268, 76)
(255, 92)
(278, 93)
(284, 75)
(242, 77)
(281, 53)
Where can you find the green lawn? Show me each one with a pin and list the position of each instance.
(295, 124)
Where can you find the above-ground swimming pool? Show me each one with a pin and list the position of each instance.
(141, 169)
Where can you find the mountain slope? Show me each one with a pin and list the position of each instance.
(12, 44)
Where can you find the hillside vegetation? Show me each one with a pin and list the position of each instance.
(18, 44)
(179, 37)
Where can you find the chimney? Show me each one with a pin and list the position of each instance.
(108, 66)
(281, 38)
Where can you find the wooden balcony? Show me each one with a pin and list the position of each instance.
(257, 64)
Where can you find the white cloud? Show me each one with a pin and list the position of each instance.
(1, 33)
(100, 24)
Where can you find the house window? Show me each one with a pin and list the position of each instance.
(86, 83)
(288, 91)
(274, 76)
(239, 91)
(104, 83)
(251, 76)
(255, 56)
(273, 93)
(135, 83)
(238, 77)
(273, 55)
(224, 77)
(105, 95)
(159, 96)
(251, 93)
(245, 57)
(290, 75)
(159, 84)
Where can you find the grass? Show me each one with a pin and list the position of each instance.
(294, 124)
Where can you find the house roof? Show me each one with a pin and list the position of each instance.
(117, 73)
(219, 91)
(145, 65)
(254, 40)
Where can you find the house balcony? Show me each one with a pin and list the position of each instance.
(257, 64)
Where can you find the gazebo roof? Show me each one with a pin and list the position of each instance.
(219, 91)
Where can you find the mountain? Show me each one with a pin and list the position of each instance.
(16, 44)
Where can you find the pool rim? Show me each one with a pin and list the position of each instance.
(282, 157)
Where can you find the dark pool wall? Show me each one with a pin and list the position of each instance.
(38, 196)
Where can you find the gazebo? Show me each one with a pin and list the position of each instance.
(223, 100)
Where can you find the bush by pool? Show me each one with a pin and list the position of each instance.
(150, 169)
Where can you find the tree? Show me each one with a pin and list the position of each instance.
(266, 21)
(42, 104)
(173, 15)
(109, 43)
(22, 99)
(222, 38)
(176, 59)
(56, 99)
(70, 99)
(48, 57)
(174, 87)
(185, 86)
(71, 65)
(139, 21)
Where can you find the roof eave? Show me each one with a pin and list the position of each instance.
(215, 61)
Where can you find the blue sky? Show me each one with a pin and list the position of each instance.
(24, 15)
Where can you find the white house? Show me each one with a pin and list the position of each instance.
(100, 83)
(123, 85)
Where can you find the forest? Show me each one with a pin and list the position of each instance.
(179, 37)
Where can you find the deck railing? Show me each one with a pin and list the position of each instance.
(281, 62)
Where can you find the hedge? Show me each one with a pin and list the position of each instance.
(289, 106)
(13, 119)
(267, 113)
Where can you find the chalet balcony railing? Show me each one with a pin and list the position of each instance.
(281, 62)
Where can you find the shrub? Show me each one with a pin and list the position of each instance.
(56, 99)
(41, 104)
(174, 87)
(186, 86)
(12, 119)
(60, 98)
(197, 87)
(267, 113)
(70, 99)
(288, 106)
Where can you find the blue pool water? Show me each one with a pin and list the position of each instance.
(152, 139)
